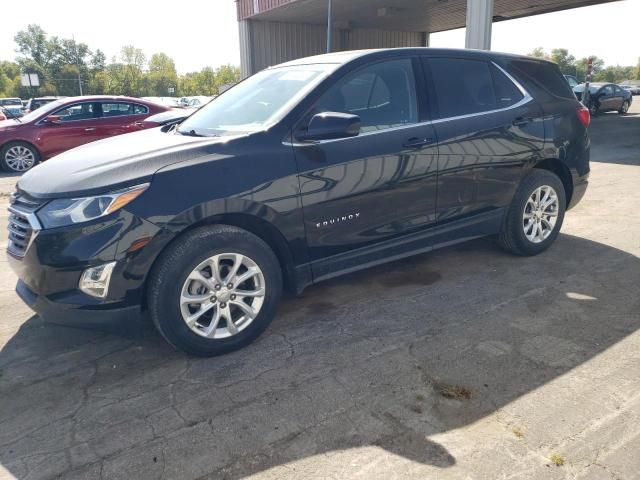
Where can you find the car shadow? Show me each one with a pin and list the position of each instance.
(623, 131)
(384, 359)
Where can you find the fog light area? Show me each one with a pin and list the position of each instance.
(95, 280)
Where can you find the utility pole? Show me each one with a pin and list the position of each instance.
(75, 49)
(329, 26)
(585, 95)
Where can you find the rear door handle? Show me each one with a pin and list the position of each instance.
(417, 142)
(91, 129)
(521, 121)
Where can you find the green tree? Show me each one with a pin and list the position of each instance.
(538, 52)
(637, 73)
(162, 74)
(581, 67)
(565, 60)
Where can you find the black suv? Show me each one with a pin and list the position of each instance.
(305, 171)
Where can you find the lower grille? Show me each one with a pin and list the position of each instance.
(21, 224)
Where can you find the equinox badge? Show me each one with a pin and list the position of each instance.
(333, 221)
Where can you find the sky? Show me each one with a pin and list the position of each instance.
(205, 32)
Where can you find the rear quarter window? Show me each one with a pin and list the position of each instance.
(545, 76)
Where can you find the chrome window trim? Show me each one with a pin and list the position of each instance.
(526, 98)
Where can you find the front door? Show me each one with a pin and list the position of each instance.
(360, 194)
(75, 126)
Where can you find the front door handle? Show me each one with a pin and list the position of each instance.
(416, 142)
(91, 129)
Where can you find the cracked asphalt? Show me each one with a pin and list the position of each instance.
(466, 363)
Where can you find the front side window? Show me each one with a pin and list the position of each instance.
(383, 95)
(257, 102)
(79, 111)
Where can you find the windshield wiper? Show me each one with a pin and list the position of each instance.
(13, 115)
(190, 133)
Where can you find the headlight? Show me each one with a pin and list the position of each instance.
(67, 211)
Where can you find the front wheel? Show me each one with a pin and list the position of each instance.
(535, 215)
(214, 290)
(624, 109)
(594, 109)
(18, 157)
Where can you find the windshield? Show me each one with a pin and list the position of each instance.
(37, 113)
(257, 102)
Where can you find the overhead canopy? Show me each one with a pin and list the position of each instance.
(396, 15)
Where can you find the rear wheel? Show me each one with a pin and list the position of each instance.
(624, 109)
(536, 214)
(18, 157)
(215, 290)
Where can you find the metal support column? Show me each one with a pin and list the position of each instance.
(479, 20)
(329, 26)
(424, 39)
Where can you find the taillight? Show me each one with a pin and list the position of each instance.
(583, 115)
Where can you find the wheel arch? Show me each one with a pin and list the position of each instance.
(294, 280)
(556, 166)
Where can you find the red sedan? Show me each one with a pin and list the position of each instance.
(68, 123)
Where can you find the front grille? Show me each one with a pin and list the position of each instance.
(21, 223)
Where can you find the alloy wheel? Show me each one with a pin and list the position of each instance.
(19, 158)
(540, 214)
(222, 295)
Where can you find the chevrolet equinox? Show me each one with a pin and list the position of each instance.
(302, 172)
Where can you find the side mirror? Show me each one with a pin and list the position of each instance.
(52, 119)
(330, 126)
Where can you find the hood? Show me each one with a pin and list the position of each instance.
(8, 123)
(113, 163)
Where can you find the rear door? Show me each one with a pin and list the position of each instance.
(120, 117)
(488, 129)
(619, 95)
(360, 194)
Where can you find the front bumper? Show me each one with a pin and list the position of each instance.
(50, 271)
(114, 317)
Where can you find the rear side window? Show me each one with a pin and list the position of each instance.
(507, 93)
(462, 86)
(544, 75)
(120, 109)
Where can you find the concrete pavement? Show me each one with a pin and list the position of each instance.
(466, 363)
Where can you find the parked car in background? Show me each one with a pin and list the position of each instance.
(3, 115)
(5, 102)
(67, 123)
(605, 97)
(303, 172)
(170, 102)
(35, 103)
(634, 89)
(571, 80)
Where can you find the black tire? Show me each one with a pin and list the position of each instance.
(594, 110)
(11, 145)
(512, 237)
(624, 109)
(181, 258)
